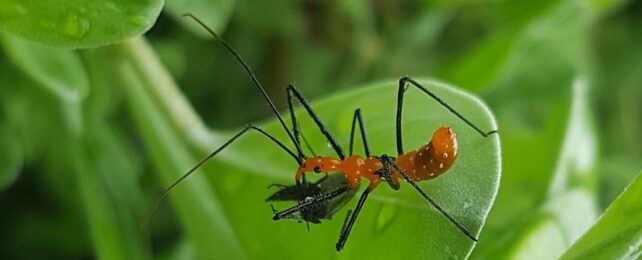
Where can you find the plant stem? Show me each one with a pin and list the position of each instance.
(195, 202)
(162, 86)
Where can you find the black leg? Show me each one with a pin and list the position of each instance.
(431, 201)
(297, 131)
(400, 96)
(345, 221)
(295, 123)
(337, 148)
(307, 145)
(400, 92)
(310, 203)
(254, 80)
(210, 156)
(364, 136)
(347, 226)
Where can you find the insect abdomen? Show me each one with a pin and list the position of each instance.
(433, 159)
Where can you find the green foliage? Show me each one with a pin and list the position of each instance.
(198, 207)
(618, 232)
(10, 157)
(213, 13)
(78, 24)
(91, 135)
(58, 70)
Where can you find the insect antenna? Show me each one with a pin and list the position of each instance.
(207, 158)
(254, 80)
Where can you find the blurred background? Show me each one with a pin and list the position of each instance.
(563, 78)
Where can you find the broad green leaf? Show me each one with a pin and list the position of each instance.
(197, 206)
(78, 23)
(58, 70)
(11, 155)
(618, 232)
(392, 224)
(214, 13)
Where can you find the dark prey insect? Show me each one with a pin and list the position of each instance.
(328, 185)
(322, 199)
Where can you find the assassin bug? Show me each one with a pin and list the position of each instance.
(321, 200)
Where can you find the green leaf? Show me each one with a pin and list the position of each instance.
(78, 23)
(11, 155)
(214, 13)
(618, 232)
(392, 224)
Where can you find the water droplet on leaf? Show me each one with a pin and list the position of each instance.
(467, 204)
(76, 26)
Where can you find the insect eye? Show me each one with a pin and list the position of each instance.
(317, 169)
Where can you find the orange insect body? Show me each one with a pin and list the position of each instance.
(428, 162)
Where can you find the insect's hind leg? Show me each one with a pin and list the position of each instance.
(357, 118)
(400, 95)
(432, 202)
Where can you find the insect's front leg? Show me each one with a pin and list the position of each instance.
(315, 200)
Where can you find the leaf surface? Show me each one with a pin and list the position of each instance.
(78, 23)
